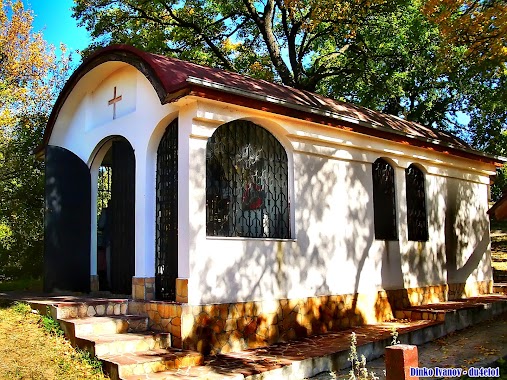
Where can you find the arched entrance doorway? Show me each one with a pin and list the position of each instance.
(116, 218)
(66, 221)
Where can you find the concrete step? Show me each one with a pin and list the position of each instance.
(81, 309)
(120, 366)
(91, 309)
(109, 344)
(458, 314)
(80, 327)
(299, 359)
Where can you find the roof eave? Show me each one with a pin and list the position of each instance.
(498, 160)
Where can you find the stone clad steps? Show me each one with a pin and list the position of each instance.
(140, 363)
(298, 359)
(81, 309)
(103, 325)
(123, 342)
(500, 288)
(458, 314)
(125, 345)
(306, 357)
(130, 351)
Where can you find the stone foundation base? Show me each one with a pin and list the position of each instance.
(229, 327)
(500, 289)
(472, 289)
(143, 288)
(182, 290)
(94, 283)
(403, 298)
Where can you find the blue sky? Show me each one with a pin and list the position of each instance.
(54, 19)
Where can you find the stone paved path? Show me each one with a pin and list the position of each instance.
(476, 346)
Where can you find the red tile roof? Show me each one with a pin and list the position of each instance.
(175, 73)
(173, 78)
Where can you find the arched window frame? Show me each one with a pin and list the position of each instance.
(384, 200)
(247, 183)
(417, 217)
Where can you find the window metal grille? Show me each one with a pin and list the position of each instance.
(417, 221)
(166, 260)
(384, 201)
(246, 183)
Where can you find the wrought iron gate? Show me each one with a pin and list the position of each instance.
(167, 215)
(122, 217)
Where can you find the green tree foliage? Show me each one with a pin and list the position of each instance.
(441, 63)
(430, 61)
(267, 39)
(30, 78)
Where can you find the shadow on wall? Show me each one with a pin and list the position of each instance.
(334, 235)
(466, 236)
(334, 244)
(314, 262)
(459, 239)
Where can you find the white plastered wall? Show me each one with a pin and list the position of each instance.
(333, 249)
(85, 126)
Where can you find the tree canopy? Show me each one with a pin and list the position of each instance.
(438, 62)
(30, 77)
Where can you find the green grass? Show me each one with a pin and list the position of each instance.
(32, 347)
(21, 284)
(50, 325)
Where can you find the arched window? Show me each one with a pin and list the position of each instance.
(417, 221)
(384, 201)
(246, 183)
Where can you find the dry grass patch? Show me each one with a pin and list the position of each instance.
(499, 252)
(499, 247)
(29, 351)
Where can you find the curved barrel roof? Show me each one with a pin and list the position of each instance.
(173, 78)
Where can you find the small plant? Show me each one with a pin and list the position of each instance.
(394, 335)
(92, 361)
(50, 325)
(21, 307)
(358, 370)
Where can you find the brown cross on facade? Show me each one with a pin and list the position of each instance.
(113, 101)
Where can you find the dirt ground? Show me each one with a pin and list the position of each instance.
(499, 251)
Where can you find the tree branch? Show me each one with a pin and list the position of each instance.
(214, 48)
(265, 26)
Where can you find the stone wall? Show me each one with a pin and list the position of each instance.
(230, 327)
(237, 326)
(469, 289)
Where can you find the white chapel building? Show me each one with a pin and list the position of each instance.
(173, 182)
